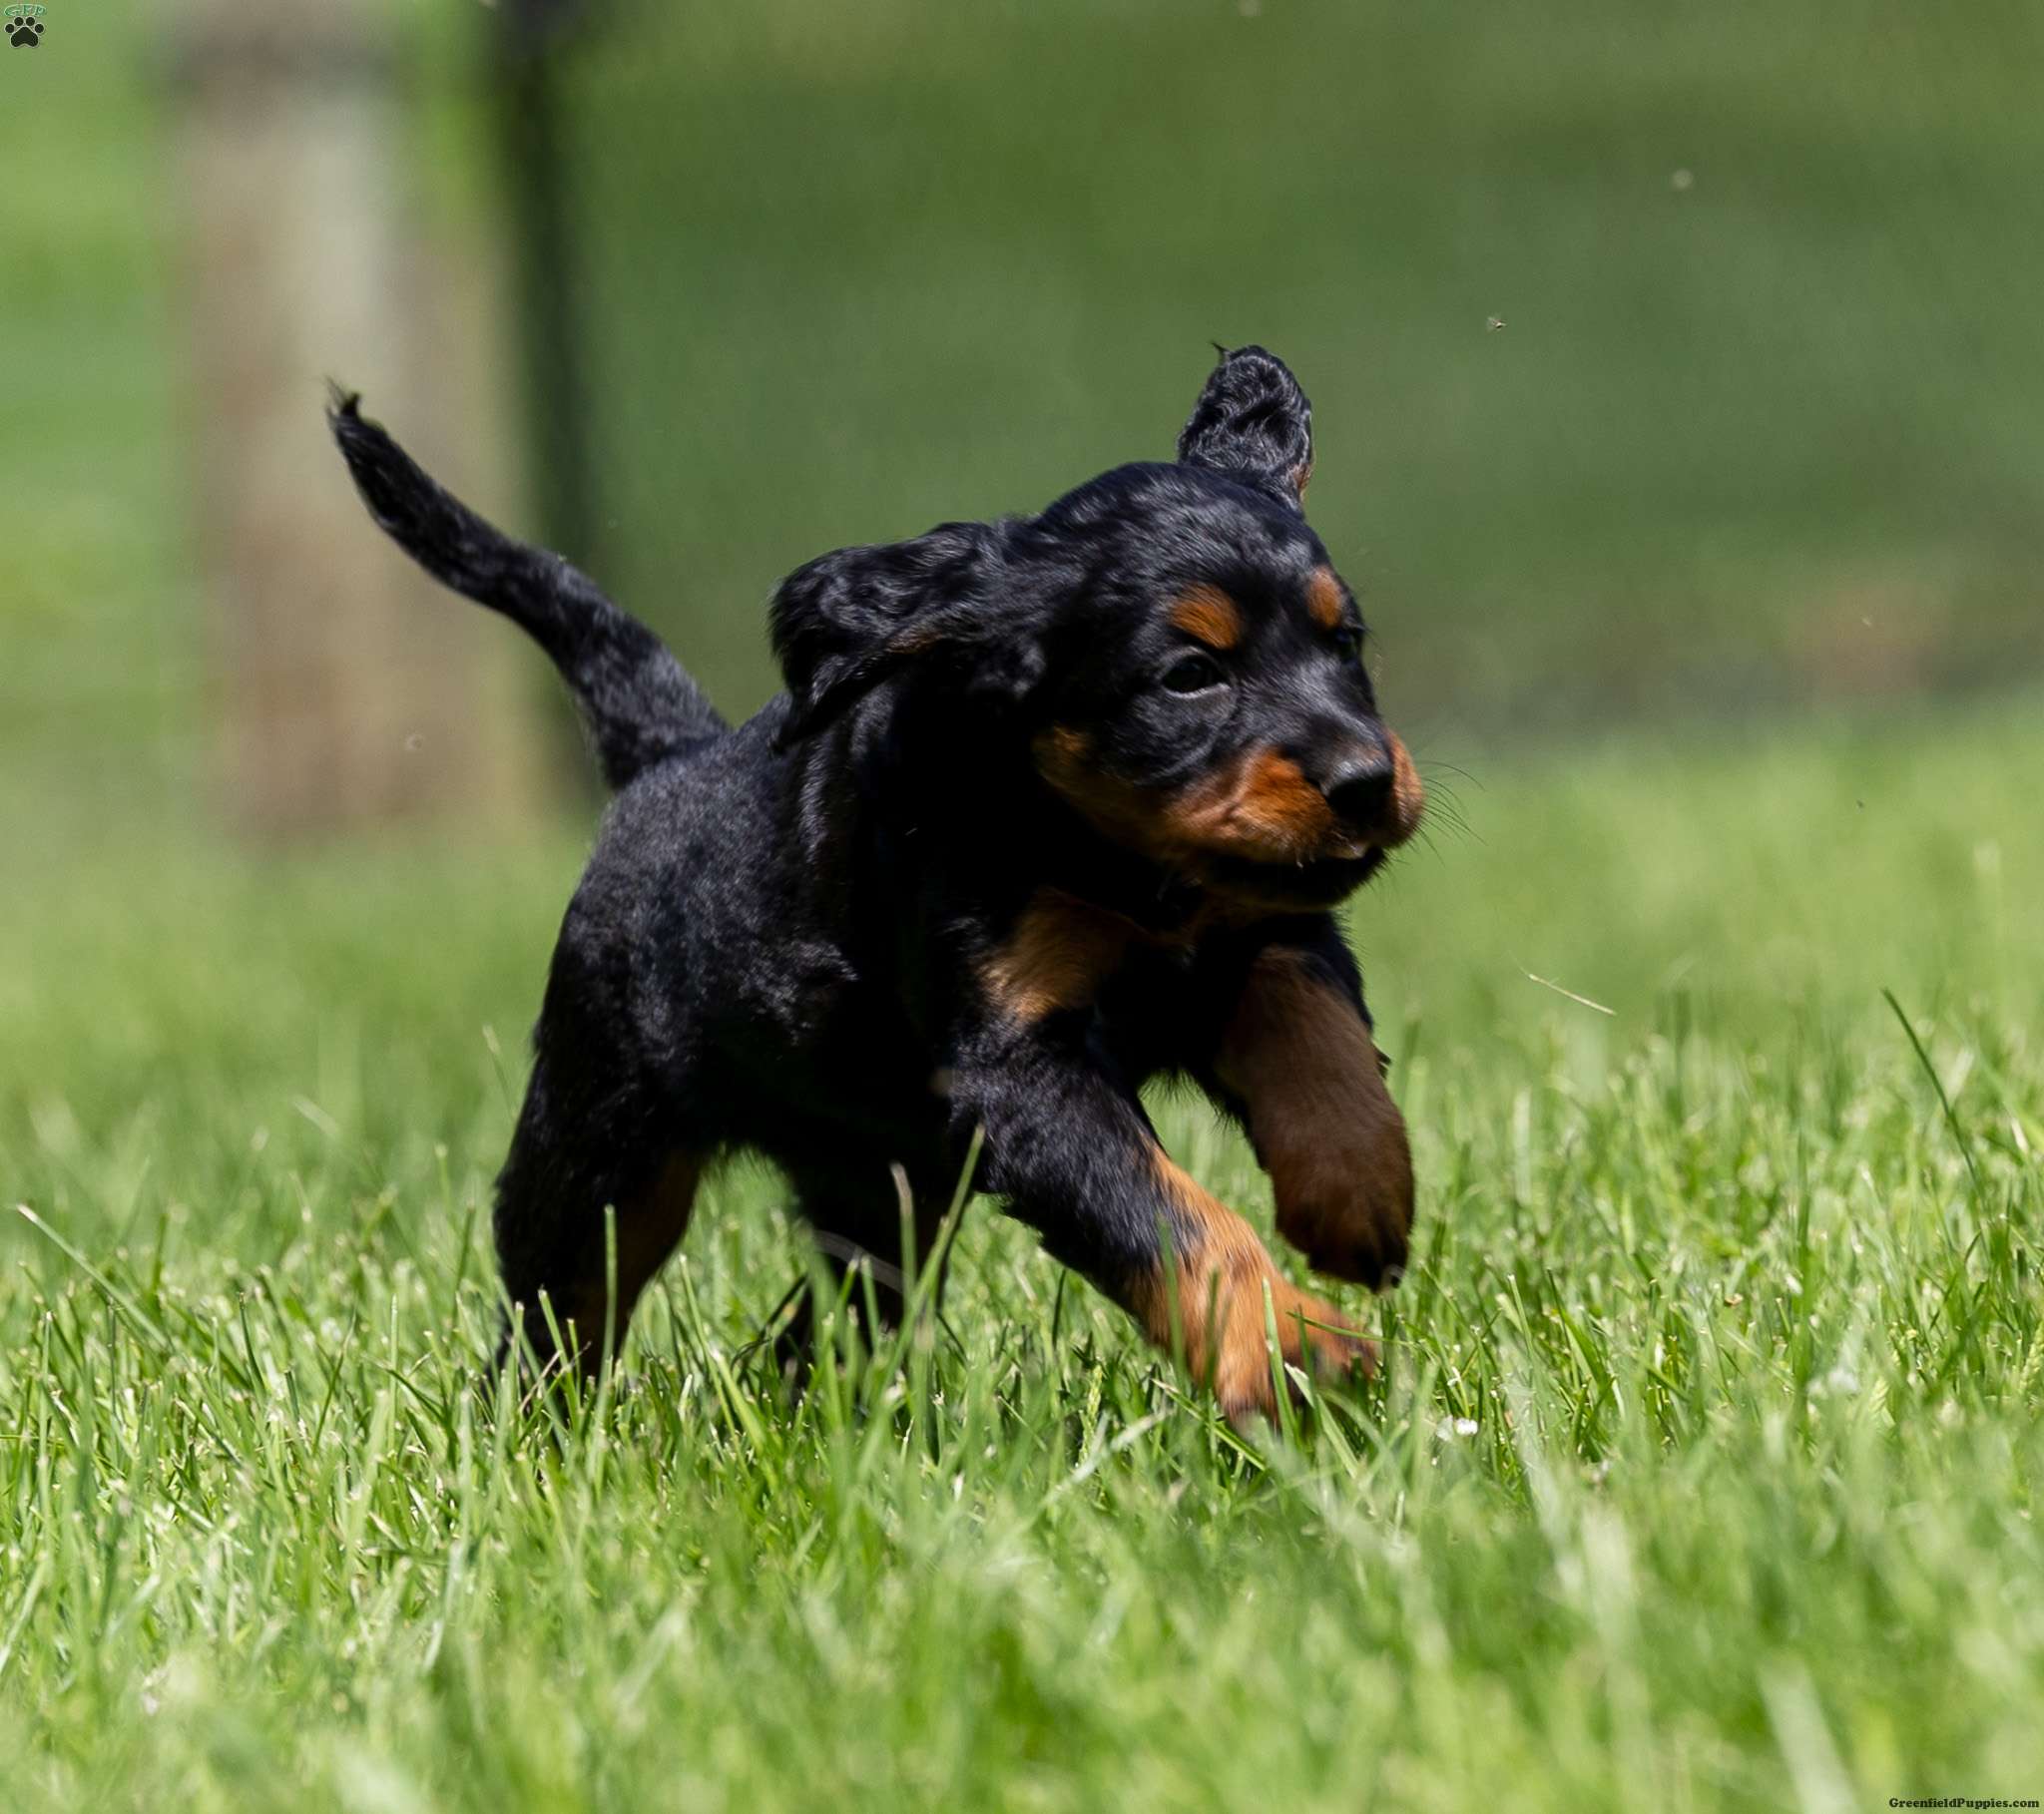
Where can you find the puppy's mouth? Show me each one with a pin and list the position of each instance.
(1318, 882)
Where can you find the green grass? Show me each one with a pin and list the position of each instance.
(1704, 1472)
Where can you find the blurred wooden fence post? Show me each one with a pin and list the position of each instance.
(349, 690)
(531, 38)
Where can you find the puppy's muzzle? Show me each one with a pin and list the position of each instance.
(1358, 787)
(1373, 790)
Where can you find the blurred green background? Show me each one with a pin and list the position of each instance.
(1666, 360)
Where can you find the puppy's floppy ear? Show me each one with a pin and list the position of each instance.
(1253, 420)
(847, 621)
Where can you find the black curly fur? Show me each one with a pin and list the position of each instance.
(1253, 420)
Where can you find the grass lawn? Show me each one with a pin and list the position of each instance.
(1704, 1472)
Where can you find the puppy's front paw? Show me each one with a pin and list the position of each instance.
(1301, 1061)
(1313, 1336)
(1346, 1200)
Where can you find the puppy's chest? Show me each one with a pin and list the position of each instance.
(1064, 955)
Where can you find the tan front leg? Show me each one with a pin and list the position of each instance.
(1209, 1305)
(1299, 1057)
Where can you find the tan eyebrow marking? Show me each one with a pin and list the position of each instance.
(1209, 616)
(1323, 600)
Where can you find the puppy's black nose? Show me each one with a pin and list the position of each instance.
(1359, 786)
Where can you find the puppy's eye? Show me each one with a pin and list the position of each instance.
(1194, 672)
(1348, 644)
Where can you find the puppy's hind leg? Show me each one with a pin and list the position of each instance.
(857, 1223)
(572, 1160)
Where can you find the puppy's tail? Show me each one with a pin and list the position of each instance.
(635, 698)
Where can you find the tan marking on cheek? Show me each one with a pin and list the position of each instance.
(1064, 758)
(1260, 808)
(1280, 803)
(1217, 1278)
(1056, 957)
(1209, 616)
(1324, 603)
(1065, 748)
(1312, 1081)
(1409, 796)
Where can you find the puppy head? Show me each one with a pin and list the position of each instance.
(1207, 703)
(1169, 642)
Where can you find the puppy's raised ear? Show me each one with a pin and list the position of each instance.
(1253, 421)
(849, 621)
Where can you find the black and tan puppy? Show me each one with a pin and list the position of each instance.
(1052, 805)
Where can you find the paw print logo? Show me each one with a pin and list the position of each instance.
(24, 27)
